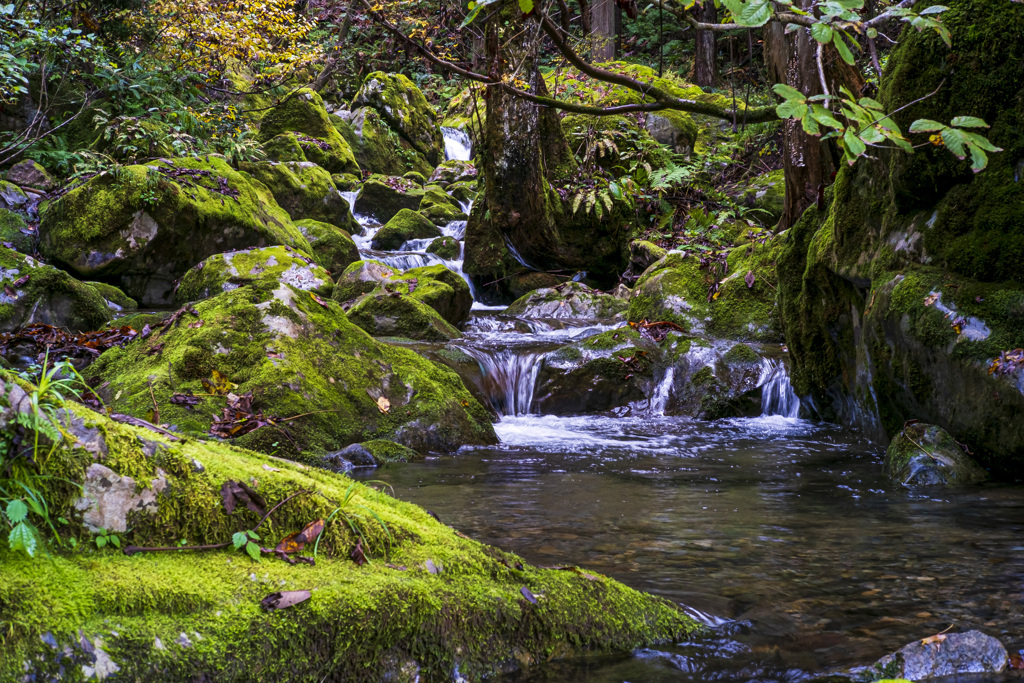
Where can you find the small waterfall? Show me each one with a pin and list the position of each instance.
(508, 377)
(777, 395)
(405, 261)
(457, 145)
(456, 229)
(662, 392)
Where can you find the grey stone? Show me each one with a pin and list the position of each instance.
(108, 498)
(926, 455)
(358, 455)
(30, 174)
(948, 654)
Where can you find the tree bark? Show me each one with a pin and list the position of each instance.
(602, 35)
(705, 68)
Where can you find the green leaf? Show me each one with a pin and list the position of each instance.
(791, 110)
(979, 160)
(841, 47)
(954, 140)
(926, 126)
(254, 550)
(526, 6)
(821, 33)
(810, 126)
(22, 538)
(980, 141)
(757, 13)
(115, 541)
(253, 535)
(968, 122)
(869, 103)
(239, 539)
(787, 93)
(934, 9)
(854, 144)
(17, 511)
(824, 117)
(473, 13)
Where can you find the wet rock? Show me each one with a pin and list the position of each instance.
(382, 197)
(568, 300)
(11, 196)
(453, 171)
(30, 174)
(462, 191)
(373, 453)
(438, 207)
(304, 117)
(406, 110)
(361, 277)
(304, 190)
(399, 315)
(404, 226)
(109, 498)
(445, 247)
(442, 289)
(356, 455)
(31, 292)
(926, 455)
(117, 300)
(947, 654)
(333, 247)
(269, 266)
(145, 229)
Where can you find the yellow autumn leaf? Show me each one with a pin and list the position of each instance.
(383, 405)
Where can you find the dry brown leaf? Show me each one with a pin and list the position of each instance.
(383, 405)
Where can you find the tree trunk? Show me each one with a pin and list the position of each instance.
(705, 69)
(602, 36)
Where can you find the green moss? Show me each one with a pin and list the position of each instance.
(381, 149)
(305, 191)
(382, 197)
(284, 147)
(404, 226)
(399, 102)
(400, 315)
(388, 452)
(114, 296)
(14, 231)
(453, 301)
(361, 277)
(48, 296)
(741, 353)
(333, 247)
(299, 357)
(445, 247)
(267, 267)
(304, 113)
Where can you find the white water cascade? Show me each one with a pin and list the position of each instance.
(457, 145)
(777, 395)
(508, 378)
(662, 393)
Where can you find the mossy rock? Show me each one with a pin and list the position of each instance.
(284, 147)
(299, 356)
(445, 247)
(463, 191)
(138, 321)
(381, 197)
(454, 171)
(28, 173)
(11, 196)
(675, 130)
(389, 452)
(442, 214)
(48, 295)
(766, 193)
(430, 600)
(643, 255)
(405, 109)
(571, 300)
(467, 111)
(380, 149)
(305, 115)
(346, 182)
(625, 142)
(15, 233)
(443, 290)
(404, 226)
(115, 298)
(267, 266)
(143, 228)
(361, 277)
(434, 195)
(333, 248)
(926, 455)
(305, 191)
(392, 314)
(415, 177)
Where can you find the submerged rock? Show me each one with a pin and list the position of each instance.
(430, 600)
(571, 300)
(31, 292)
(298, 356)
(926, 455)
(946, 654)
(269, 266)
(372, 453)
(147, 227)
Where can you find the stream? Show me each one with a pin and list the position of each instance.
(781, 534)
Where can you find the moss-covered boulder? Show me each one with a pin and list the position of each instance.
(675, 130)
(361, 277)
(15, 232)
(615, 142)
(380, 149)
(430, 602)
(117, 300)
(404, 226)
(303, 114)
(740, 305)
(298, 355)
(405, 109)
(467, 111)
(393, 314)
(31, 292)
(442, 289)
(28, 173)
(268, 265)
(285, 148)
(333, 248)
(304, 190)
(926, 455)
(901, 297)
(11, 196)
(453, 171)
(445, 247)
(438, 207)
(462, 191)
(381, 197)
(146, 226)
(766, 193)
(568, 300)
(373, 453)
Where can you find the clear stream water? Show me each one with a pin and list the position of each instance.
(779, 533)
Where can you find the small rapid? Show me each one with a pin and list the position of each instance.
(777, 394)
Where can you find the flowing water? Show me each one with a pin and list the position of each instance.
(778, 533)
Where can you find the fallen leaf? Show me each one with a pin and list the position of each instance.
(357, 555)
(931, 640)
(383, 405)
(218, 384)
(21, 281)
(293, 543)
(234, 492)
(319, 300)
(931, 299)
(749, 279)
(185, 399)
(284, 599)
(528, 595)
